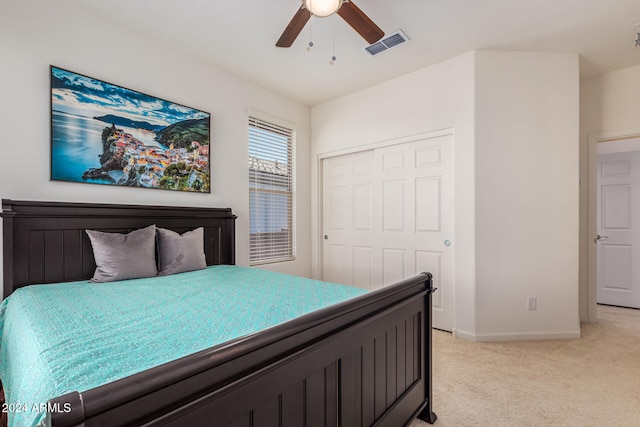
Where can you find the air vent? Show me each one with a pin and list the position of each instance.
(387, 43)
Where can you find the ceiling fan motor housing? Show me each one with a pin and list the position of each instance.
(322, 8)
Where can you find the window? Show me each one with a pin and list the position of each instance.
(271, 192)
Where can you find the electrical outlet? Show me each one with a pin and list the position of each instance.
(532, 303)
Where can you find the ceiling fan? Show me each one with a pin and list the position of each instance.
(321, 8)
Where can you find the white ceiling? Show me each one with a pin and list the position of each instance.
(239, 36)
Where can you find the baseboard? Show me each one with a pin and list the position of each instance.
(468, 336)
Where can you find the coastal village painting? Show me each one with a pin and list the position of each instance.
(106, 134)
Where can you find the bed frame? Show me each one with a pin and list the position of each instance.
(365, 361)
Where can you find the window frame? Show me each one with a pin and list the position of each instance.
(268, 173)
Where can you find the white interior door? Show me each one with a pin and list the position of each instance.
(388, 214)
(618, 241)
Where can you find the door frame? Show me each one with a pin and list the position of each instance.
(592, 213)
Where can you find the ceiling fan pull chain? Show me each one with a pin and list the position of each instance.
(310, 35)
(333, 57)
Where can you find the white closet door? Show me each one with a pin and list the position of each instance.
(348, 219)
(388, 214)
(415, 223)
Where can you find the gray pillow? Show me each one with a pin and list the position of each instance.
(179, 253)
(124, 256)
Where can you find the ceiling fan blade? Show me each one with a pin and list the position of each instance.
(293, 29)
(360, 22)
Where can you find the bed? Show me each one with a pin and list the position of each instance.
(363, 361)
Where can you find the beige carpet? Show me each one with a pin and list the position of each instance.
(591, 381)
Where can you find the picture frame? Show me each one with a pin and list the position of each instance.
(102, 133)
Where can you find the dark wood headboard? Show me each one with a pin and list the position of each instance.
(45, 242)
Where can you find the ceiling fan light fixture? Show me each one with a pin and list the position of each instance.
(322, 8)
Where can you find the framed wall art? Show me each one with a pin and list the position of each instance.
(107, 134)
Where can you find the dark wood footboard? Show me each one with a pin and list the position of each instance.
(360, 363)
(3, 416)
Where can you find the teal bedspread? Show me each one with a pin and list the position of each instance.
(80, 335)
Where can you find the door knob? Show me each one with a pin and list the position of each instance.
(326, 237)
(599, 237)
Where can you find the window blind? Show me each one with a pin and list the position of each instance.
(271, 192)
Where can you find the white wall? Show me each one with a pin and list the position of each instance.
(434, 98)
(39, 33)
(527, 111)
(515, 117)
(608, 106)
